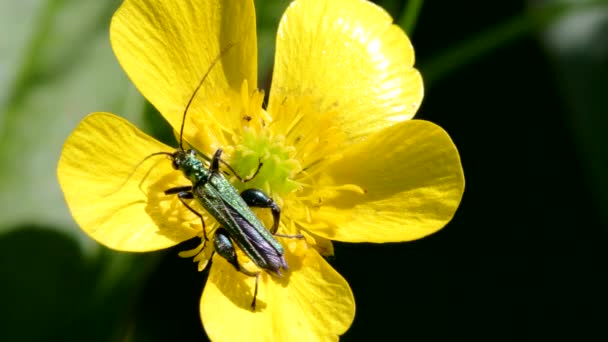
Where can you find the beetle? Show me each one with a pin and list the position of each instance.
(238, 223)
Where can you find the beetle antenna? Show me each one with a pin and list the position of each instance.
(213, 63)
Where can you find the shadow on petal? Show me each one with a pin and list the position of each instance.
(312, 303)
(170, 215)
(234, 285)
(239, 287)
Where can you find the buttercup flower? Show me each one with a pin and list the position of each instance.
(340, 154)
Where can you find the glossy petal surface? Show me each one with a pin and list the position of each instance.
(167, 46)
(413, 179)
(345, 56)
(311, 303)
(122, 207)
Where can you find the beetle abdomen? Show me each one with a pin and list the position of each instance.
(274, 260)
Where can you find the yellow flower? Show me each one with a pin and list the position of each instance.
(341, 155)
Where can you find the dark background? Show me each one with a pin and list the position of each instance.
(524, 257)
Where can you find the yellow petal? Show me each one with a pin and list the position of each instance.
(413, 180)
(311, 303)
(345, 56)
(122, 207)
(166, 47)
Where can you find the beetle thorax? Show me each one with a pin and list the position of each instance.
(189, 163)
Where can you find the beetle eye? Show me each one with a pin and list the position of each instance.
(175, 165)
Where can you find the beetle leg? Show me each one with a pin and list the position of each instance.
(290, 236)
(177, 190)
(215, 166)
(241, 178)
(257, 198)
(215, 162)
(224, 247)
(255, 291)
(184, 193)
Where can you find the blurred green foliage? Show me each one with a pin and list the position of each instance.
(56, 65)
(577, 47)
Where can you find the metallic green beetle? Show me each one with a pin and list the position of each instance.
(238, 224)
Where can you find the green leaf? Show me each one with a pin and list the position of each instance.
(409, 17)
(269, 14)
(576, 44)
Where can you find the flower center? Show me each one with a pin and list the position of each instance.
(279, 167)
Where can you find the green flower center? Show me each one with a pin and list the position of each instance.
(279, 167)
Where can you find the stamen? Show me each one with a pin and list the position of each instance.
(344, 187)
(202, 253)
(192, 252)
(203, 264)
(308, 176)
(294, 123)
(308, 215)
